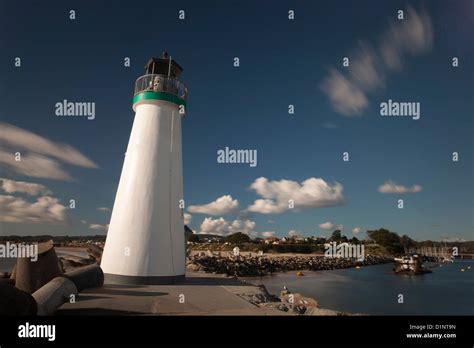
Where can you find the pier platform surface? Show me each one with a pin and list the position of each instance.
(198, 294)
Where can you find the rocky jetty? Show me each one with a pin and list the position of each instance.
(261, 265)
(288, 303)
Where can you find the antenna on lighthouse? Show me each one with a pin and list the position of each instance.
(169, 67)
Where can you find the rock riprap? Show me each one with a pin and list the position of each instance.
(261, 265)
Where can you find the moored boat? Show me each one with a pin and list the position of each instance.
(409, 264)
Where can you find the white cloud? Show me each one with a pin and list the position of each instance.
(99, 227)
(369, 66)
(223, 227)
(329, 226)
(392, 187)
(326, 226)
(32, 189)
(103, 209)
(356, 230)
(46, 210)
(294, 233)
(268, 234)
(40, 157)
(265, 206)
(311, 193)
(346, 98)
(187, 218)
(221, 206)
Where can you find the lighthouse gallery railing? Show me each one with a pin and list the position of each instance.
(161, 83)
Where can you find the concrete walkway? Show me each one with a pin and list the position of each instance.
(204, 294)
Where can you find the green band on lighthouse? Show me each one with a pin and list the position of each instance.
(149, 95)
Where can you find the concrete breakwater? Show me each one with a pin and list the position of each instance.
(261, 265)
(40, 286)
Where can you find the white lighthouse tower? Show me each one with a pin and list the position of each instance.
(145, 241)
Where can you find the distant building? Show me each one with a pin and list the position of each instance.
(272, 240)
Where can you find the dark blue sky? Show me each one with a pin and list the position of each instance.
(282, 62)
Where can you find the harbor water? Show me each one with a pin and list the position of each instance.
(375, 289)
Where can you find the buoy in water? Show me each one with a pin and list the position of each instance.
(299, 274)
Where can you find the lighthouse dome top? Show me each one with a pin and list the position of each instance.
(160, 82)
(164, 65)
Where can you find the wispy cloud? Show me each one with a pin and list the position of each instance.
(34, 165)
(392, 187)
(40, 157)
(345, 96)
(99, 227)
(329, 125)
(365, 68)
(369, 66)
(411, 36)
